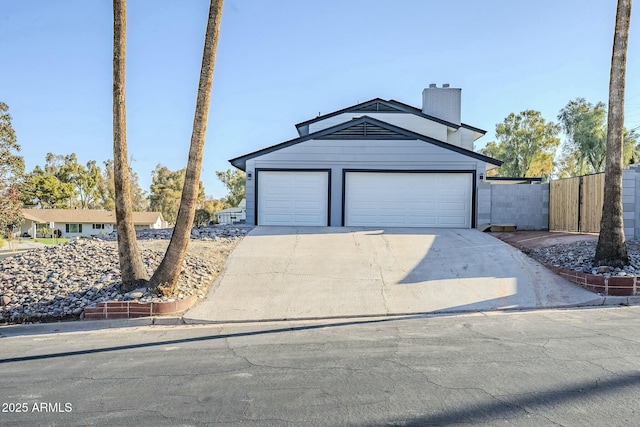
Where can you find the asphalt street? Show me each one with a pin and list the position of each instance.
(572, 367)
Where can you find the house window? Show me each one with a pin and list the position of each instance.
(98, 226)
(73, 228)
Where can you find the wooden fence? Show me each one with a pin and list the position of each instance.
(575, 204)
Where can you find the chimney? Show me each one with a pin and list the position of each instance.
(442, 103)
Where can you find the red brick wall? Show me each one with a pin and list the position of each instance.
(612, 286)
(131, 309)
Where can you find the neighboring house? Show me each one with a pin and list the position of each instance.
(377, 163)
(232, 215)
(83, 222)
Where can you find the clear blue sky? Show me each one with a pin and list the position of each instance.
(281, 62)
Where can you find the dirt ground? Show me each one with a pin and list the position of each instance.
(214, 251)
(525, 240)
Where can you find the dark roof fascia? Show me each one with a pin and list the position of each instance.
(513, 178)
(240, 162)
(419, 112)
(335, 113)
(472, 128)
(392, 103)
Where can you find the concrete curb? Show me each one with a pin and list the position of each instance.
(602, 301)
(90, 325)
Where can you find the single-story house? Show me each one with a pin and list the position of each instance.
(83, 222)
(377, 163)
(232, 215)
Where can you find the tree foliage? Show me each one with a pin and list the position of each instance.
(106, 190)
(584, 150)
(64, 183)
(11, 170)
(11, 164)
(526, 144)
(235, 181)
(44, 190)
(213, 205)
(584, 125)
(166, 191)
(201, 218)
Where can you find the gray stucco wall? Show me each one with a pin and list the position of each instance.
(526, 206)
(483, 203)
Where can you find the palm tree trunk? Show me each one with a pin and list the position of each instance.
(131, 268)
(612, 247)
(169, 270)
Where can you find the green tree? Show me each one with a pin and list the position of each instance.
(235, 181)
(106, 190)
(166, 191)
(10, 208)
(106, 187)
(201, 218)
(612, 248)
(11, 164)
(45, 190)
(585, 127)
(63, 183)
(526, 144)
(83, 178)
(11, 171)
(213, 205)
(584, 124)
(132, 270)
(168, 271)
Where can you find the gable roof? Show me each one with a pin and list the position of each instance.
(364, 127)
(378, 105)
(86, 216)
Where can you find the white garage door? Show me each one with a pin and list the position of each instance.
(408, 199)
(293, 198)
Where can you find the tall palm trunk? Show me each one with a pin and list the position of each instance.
(169, 270)
(131, 268)
(612, 248)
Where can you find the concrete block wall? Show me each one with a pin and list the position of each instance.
(629, 203)
(525, 205)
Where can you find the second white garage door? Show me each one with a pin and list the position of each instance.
(380, 199)
(293, 198)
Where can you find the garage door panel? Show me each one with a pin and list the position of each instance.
(408, 199)
(293, 198)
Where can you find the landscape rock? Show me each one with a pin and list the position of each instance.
(578, 256)
(205, 233)
(58, 282)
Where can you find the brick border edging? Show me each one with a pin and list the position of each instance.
(622, 286)
(132, 309)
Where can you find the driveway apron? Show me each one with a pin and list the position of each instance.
(279, 273)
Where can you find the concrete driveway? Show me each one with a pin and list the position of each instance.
(290, 273)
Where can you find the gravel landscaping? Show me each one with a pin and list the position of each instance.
(578, 256)
(58, 282)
